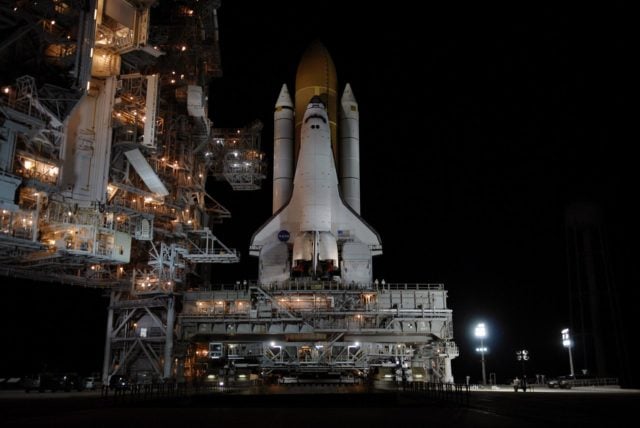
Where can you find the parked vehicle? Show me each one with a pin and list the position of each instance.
(119, 382)
(92, 383)
(52, 382)
(71, 381)
(561, 382)
(43, 382)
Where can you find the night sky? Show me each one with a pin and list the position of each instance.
(478, 126)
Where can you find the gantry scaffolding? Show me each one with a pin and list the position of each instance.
(106, 147)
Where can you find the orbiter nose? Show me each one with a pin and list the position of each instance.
(317, 100)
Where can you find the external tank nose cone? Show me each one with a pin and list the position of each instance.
(316, 69)
(316, 76)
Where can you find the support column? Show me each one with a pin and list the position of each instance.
(448, 374)
(168, 345)
(35, 217)
(107, 340)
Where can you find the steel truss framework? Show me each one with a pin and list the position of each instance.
(105, 151)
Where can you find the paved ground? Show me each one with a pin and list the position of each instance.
(313, 407)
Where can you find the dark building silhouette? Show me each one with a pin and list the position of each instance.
(594, 302)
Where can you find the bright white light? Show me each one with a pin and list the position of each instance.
(481, 330)
(566, 339)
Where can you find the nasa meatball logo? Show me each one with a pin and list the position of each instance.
(284, 235)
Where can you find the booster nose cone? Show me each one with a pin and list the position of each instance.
(347, 95)
(284, 99)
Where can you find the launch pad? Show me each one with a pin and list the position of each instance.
(106, 150)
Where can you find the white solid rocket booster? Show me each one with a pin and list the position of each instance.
(350, 149)
(283, 126)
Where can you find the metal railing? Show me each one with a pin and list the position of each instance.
(456, 393)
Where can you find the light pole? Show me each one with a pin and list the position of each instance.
(566, 342)
(523, 356)
(481, 333)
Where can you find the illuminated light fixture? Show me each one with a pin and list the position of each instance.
(481, 332)
(95, 14)
(5, 90)
(53, 22)
(183, 48)
(568, 343)
(28, 164)
(91, 53)
(88, 85)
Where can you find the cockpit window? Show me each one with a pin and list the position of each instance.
(316, 115)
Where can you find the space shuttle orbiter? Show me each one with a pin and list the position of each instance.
(316, 230)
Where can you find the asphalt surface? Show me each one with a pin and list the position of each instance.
(319, 407)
